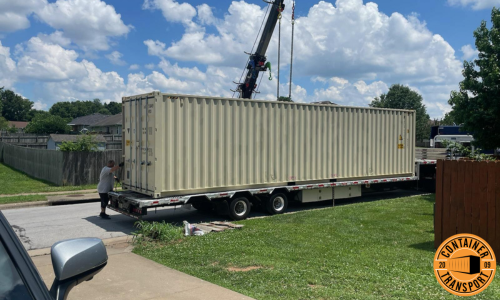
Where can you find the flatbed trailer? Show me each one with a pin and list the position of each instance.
(237, 204)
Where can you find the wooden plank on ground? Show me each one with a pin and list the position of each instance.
(228, 224)
(483, 204)
(215, 227)
(438, 212)
(468, 197)
(453, 198)
(446, 199)
(476, 171)
(491, 189)
(205, 229)
(459, 194)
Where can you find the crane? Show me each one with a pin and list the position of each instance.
(257, 60)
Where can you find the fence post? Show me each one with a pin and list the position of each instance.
(459, 194)
(491, 203)
(438, 213)
(483, 200)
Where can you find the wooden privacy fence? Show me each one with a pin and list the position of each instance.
(467, 201)
(37, 163)
(60, 168)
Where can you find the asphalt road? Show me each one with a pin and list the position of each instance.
(40, 227)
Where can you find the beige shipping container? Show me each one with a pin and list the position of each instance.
(183, 144)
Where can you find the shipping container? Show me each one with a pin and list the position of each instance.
(185, 144)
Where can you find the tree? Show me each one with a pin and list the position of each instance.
(476, 105)
(285, 99)
(34, 112)
(47, 124)
(114, 108)
(402, 97)
(14, 107)
(4, 124)
(1, 102)
(448, 119)
(78, 108)
(84, 143)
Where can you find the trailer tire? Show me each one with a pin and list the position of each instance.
(239, 208)
(203, 206)
(277, 204)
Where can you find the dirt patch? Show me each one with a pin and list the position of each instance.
(245, 269)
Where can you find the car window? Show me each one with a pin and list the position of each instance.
(11, 284)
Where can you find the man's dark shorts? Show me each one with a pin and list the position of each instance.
(104, 199)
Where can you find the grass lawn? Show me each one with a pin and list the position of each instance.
(15, 182)
(372, 250)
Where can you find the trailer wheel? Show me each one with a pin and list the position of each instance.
(277, 204)
(239, 208)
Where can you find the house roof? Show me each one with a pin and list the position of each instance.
(109, 121)
(88, 120)
(73, 137)
(18, 124)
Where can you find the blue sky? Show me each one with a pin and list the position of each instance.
(346, 51)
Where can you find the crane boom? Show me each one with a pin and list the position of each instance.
(257, 61)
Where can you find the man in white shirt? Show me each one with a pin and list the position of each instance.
(106, 181)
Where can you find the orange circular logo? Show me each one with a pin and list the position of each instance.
(464, 265)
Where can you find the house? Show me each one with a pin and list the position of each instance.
(109, 125)
(20, 126)
(55, 140)
(81, 124)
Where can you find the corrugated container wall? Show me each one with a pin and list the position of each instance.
(180, 144)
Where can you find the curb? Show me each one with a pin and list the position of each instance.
(107, 242)
(23, 205)
(46, 203)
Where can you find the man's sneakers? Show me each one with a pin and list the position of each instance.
(104, 216)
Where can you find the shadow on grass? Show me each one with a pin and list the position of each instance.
(426, 246)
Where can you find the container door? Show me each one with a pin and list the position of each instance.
(139, 144)
(147, 145)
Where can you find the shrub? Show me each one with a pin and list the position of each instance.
(162, 232)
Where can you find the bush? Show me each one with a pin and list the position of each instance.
(162, 232)
(461, 150)
(84, 143)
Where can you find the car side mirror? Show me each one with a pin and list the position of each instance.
(74, 262)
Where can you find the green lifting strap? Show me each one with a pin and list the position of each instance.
(268, 65)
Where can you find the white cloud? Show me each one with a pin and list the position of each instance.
(205, 14)
(178, 72)
(39, 105)
(115, 58)
(56, 37)
(476, 4)
(155, 48)
(88, 23)
(48, 62)
(7, 67)
(173, 11)
(134, 67)
(150, 66)
(342, 92)
(469, 52)
(14, 14)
